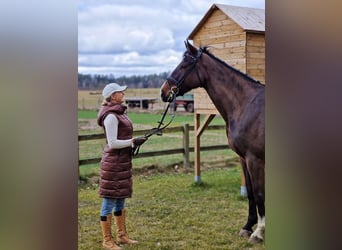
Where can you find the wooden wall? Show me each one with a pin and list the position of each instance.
(255, 56)
(228, 41)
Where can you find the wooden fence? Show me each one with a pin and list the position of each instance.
(185, 150)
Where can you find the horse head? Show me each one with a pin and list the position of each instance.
(185, 76)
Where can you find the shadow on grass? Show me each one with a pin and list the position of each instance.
(201, 185)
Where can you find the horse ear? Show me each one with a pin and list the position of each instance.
(192, 49)
(187, 44)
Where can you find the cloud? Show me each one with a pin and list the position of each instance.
(131, 63)
(137, 37)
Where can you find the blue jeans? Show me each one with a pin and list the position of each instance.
(109, 204)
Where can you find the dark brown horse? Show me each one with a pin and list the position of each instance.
(241, 102)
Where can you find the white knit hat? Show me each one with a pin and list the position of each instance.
(110, 88)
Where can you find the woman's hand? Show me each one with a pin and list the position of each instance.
(139, 140)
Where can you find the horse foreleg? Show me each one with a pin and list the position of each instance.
(247, 230)
(258, 182)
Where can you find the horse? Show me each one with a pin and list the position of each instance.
(240, 100)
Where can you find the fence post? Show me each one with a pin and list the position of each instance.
(186, 145)
(83, 103)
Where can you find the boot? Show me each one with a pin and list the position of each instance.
(108, 241)
(122, 237)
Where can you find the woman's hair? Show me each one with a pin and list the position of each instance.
(106, 101)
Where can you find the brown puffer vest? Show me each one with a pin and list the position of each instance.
(116, 164)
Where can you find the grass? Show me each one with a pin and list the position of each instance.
(170, 211)
(87, 114)
(152, 118)
(142, 118)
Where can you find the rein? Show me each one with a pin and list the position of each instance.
(159, 129)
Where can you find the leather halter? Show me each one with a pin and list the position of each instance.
(179, 82)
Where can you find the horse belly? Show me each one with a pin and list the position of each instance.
(244, 144)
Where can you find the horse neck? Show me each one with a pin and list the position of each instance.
(229, 90)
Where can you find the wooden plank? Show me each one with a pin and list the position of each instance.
(218, 40)
(202, 100)
(256, 49)
(230, 50)
(217, 16)
(256, 55)
(258, 66)
(257, 75)
(256, 37)
(91, 137)
(136, 132)
(254, 43)
(160, 153)
(89, 161)
(186, 144)
(205, 124)
(197, 158)
(218, 31)
(207, 111)
(235, 44)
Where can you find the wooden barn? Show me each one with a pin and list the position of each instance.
(237, 36)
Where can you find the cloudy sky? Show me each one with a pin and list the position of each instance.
(138, 37)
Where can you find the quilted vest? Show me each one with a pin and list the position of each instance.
(116, 164)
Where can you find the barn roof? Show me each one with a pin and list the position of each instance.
(249, 19)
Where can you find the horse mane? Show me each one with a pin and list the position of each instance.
(205, 50)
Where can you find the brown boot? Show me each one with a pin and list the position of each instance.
(122, 237)
(108, 241)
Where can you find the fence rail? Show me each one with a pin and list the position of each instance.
(184, 150)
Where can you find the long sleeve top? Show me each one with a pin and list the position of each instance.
(111, 126)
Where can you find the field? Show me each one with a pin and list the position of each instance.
(93, 99)
(167, 210)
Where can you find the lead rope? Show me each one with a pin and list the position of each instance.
(159, 130)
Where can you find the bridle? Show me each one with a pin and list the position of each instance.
(178, 83)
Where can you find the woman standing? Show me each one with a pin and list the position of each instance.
(116, 164)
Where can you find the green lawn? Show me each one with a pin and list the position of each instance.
(169, 211)
(87, 114)
(152, 118)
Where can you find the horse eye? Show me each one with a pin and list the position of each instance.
(187, 60)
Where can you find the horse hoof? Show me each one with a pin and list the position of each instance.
(245, 233)
(255, 240)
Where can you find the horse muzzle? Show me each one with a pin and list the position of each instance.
(168, 93)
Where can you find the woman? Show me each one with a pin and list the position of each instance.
(116, 164)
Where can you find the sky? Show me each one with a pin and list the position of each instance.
(138, 37)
